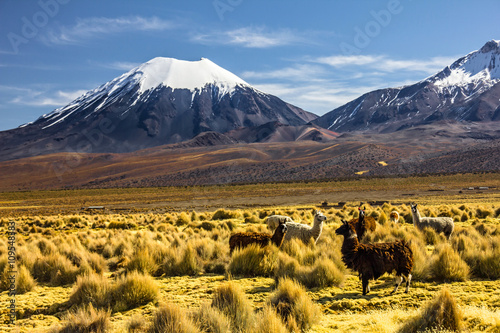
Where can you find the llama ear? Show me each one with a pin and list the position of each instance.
(344, 221)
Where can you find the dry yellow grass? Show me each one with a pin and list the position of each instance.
(187, 254)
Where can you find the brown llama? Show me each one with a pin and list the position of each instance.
(243, 239)
(373, 260)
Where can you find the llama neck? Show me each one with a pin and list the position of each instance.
(416, 217)
(316, 228)
(318, 225)
(350, 247)
(277, 237)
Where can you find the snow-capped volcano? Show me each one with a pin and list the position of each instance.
(467, 90)
(162, 101)
(156, 73)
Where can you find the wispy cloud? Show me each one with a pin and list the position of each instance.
(120, 65)
(385, 64)
(304, 72)
(250, 37)
(322, 84)
(94, 27)
(41, 97)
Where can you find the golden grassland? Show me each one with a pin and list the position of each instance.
(236, 196)
(169, 269)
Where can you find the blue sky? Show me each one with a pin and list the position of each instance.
(317, 55)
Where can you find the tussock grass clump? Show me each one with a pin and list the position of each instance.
(24, 281)
(93, 289)
(225, 214)
(253, 261)
(184, 261)
(269, 321)
(122, 225)
(323, 273)
(231, 300)
(46, 246)
(142, 262)
(55, 269)
(170, 318)
(134, 290)
(86, 320)
(421, 265)
(448, 265)
(440, 314)
(431, 237)
(210, 319)
(183, 219)
(294, 306)
(136, 324)
(488, 265)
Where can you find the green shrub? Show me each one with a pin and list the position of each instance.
(231, 300)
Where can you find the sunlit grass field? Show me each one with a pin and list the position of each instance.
(154, 264)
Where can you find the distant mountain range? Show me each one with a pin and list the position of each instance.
(466, 91)
(160, 102)
(174, 122)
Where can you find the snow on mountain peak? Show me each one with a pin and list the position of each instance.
(482, 65)
(182, 74)
(168, 72)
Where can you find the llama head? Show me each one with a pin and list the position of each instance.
(361, 215)
(282, 227)
(346, 229)
(413, 207)
(318, 216)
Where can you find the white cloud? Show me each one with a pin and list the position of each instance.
(303, 72)
(339, 61)
(121, 65)
(100, 26)
(34, 97)
(250, 37)
(385, 64)
(325, 83)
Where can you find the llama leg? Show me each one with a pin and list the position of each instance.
(366, 287)
(399, 279)
(408, 279)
